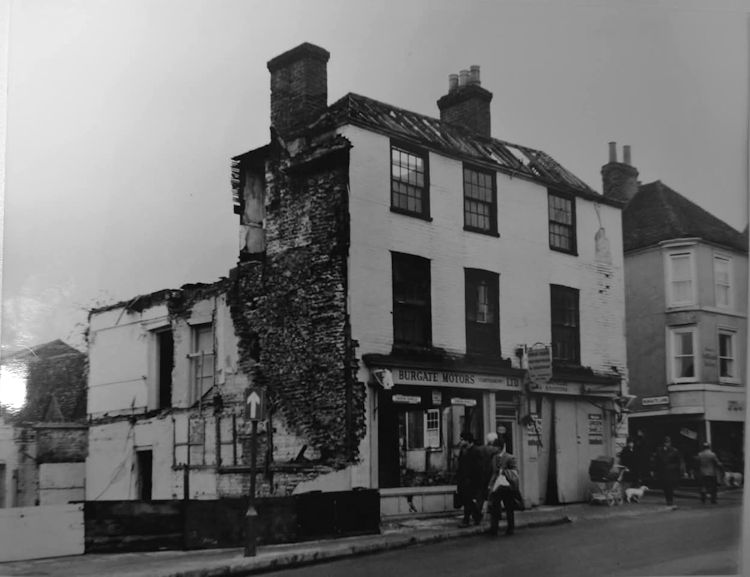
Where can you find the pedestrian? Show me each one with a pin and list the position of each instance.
(502, 489)
(709, 468)
(470, 480)
(629, 460)
(487, 451)
(669, 468)
(642, 458)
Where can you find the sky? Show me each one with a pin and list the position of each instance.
(122, 117)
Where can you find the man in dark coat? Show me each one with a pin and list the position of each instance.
(669, 468)
(470, 479)
(628, 459)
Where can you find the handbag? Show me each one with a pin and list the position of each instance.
(518, 503)
(501, 481)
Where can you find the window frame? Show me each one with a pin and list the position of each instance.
(718, 257)
(478, 331)
(556, 328)
(492, 230)
(196, 382)
(670, 255)
(424, 155)
(673, 332)
(731, 358)
(572, 227)
(400, 303)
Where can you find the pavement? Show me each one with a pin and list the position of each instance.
(395, 533)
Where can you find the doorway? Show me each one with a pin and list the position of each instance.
(144, 466)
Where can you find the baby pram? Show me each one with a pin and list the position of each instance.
(606, 481)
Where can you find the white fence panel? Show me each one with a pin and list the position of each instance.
(37, 532)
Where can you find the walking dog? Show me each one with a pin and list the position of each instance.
(634, 494)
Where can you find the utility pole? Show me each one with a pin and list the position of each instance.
(254, 410)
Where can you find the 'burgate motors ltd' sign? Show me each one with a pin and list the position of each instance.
(455, 379)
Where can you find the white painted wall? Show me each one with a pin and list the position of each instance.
(60, 483)
(39, 532)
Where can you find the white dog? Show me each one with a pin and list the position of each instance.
(733, 479)
(634, 494)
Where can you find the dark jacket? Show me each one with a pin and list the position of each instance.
(708, 463)
(669, 465)
(470, 475)
(500, 463)
(629, 459)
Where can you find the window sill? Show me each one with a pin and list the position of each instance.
(492, 233)
(425, 217)
(573, 252)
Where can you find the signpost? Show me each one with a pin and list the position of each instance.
(254, 411)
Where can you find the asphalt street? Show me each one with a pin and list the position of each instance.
(694, 539)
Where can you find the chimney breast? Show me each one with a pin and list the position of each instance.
(619, 179)
(467, 105)
(299, 88)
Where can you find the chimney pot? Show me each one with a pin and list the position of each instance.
(613, 152)
(463, 78)
(626, 154)
(474, 75)
(452, 82)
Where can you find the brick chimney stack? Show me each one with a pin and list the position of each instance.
(467, 103)
(299, 88)
(619, 179)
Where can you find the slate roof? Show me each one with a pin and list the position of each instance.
(456, 141)
(657, 213)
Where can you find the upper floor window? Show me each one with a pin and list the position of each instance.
(562, 223)
(723, 280)
(412, 323)
(726, 356)
(683, 361)
(165, 364)
(410, 182)
(566, 330)
(201, 361)
(482, 318)
(680, 278)
(480, 201)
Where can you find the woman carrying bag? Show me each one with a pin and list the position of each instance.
(503, 489)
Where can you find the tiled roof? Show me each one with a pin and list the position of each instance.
(456, 141)
(657, 213)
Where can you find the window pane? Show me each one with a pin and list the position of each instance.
(561, 223)
(479, 205)
(407, 181)
(411, 300)
(565, 324)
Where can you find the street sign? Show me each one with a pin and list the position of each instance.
(255, 406)
(540, 363)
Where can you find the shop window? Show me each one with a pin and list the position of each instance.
(480, 201)
(682, 342)
(562, 222)
(566, 330)
(482, 318)
(410, 191)
(423, 429)
(723, 281)
(412, 323)
(201, 361)
(726, 356)
(680, 272)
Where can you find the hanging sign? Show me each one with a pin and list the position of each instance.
(437, 397)
(464, 402)
(539, 359)
(650, 401)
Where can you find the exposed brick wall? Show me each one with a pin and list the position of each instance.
(61, 444)
(469, 106)
(290, 310)
(62, 377)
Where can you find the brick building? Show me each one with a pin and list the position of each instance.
(395, 270)
(686, 302)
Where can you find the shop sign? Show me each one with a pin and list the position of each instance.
(464, 402)
(407, 399)
(596, 430)
(455, 379)
(563, 388)
(733, 406)
(437, 397)
(650, 401)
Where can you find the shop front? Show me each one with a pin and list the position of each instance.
(691, 415)
(421, 411)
